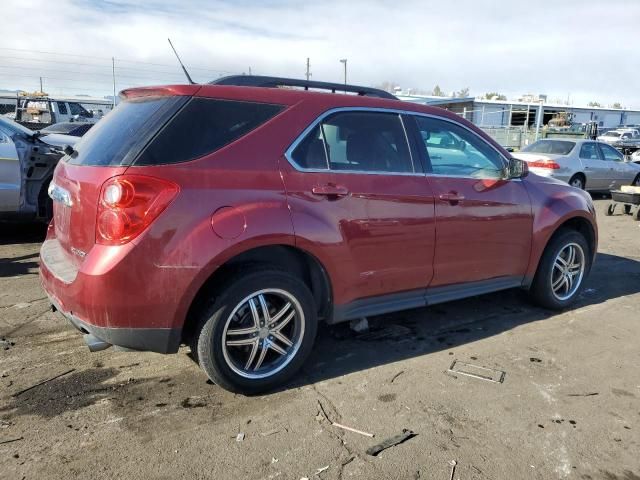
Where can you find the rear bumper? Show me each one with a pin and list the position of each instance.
(122, 299)
(160, 340)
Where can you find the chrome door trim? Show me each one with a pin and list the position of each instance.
(289, 152)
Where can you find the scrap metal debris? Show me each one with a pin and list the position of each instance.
(321, 469)
(11, 440)
(43, 382)
(393, 379)
(391, 442)
(591, 394)
(453, 464)
(270, 432)
(344, 427)
(240, 437)
(475, 371)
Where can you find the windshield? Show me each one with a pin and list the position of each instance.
(64, 127)
(556, 147)
(612, 134)
(10, 127)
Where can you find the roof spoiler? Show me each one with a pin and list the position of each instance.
(275, 82)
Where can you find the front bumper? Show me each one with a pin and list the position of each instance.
(160, 340)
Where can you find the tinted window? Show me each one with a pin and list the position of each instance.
(610, 153)
(62, 108)
(310, 152)
(77, 109)
(454, 150)
(357, 141)
(557, 147)
(589, 151)
(204, 126)
(119, 136)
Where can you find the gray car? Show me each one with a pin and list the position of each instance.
(27, 160)
(586, 164)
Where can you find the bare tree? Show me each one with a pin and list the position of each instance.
(437, 92)
(594, 104)
(494, 96)
(462, 93)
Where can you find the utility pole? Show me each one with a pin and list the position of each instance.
(113, 72)
(539, 119)
(41, 84)
(308, 74)
(344, 60)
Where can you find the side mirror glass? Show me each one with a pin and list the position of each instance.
(517, 168)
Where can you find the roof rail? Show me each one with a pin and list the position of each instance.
(274, 82)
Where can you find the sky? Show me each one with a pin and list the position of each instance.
(583, 50)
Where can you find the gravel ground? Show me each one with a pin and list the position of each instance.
(568, 407)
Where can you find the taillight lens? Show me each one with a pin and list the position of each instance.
(128, 204)
(544, 164)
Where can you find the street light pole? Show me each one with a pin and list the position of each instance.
(344, 60)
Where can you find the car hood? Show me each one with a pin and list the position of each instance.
(59, 139)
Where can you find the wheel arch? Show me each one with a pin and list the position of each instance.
(578, 223)
(280, 256)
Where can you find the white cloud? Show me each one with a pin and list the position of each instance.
(582, 48)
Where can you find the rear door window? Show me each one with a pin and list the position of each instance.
(589, 151)
(203, 126)
(610, 153)
(367, 142)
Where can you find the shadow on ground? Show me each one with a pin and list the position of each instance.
(393, 338)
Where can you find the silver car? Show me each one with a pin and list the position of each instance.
(27, 160)
(586, 164)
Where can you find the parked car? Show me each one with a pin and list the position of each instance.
(613, 136)
(635, 157)
(27, 160)
(584, 164)
(76, 129)
(235, 218)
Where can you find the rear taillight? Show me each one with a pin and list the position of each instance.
(128, 204)
(544, 164)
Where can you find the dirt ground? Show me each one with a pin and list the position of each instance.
(569, 406)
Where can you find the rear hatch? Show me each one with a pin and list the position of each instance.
(107, 150)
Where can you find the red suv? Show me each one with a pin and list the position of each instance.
(234, 218)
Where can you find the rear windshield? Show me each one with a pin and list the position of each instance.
(557, 147)
(118, 138)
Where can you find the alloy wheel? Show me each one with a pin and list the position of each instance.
(263, 333)
(577, 182)
(567, 272)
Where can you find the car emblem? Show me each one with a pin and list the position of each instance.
(59, 194)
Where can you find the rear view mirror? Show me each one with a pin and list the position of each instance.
(517, 168)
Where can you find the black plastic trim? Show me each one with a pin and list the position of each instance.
(159, 340)
(275, 82)
(367, 307)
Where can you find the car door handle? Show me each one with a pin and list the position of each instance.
(452, 197)
(330, 190)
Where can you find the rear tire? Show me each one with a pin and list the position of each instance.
(562, 270)
(242, 349)
(578, 181)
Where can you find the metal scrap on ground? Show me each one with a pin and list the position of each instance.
(43, 382)
(344, 427)
(375, 450)
(475, 371)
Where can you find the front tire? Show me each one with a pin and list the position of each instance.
(563, 267)
(258, 332)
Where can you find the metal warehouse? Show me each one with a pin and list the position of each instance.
(509, 113)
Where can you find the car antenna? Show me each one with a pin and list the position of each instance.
(180, 62)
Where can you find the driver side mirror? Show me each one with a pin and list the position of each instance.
(517, 168)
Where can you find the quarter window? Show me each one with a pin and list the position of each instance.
(454, 151)
(356, 141)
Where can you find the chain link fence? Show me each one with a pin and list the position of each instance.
(511, 137)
